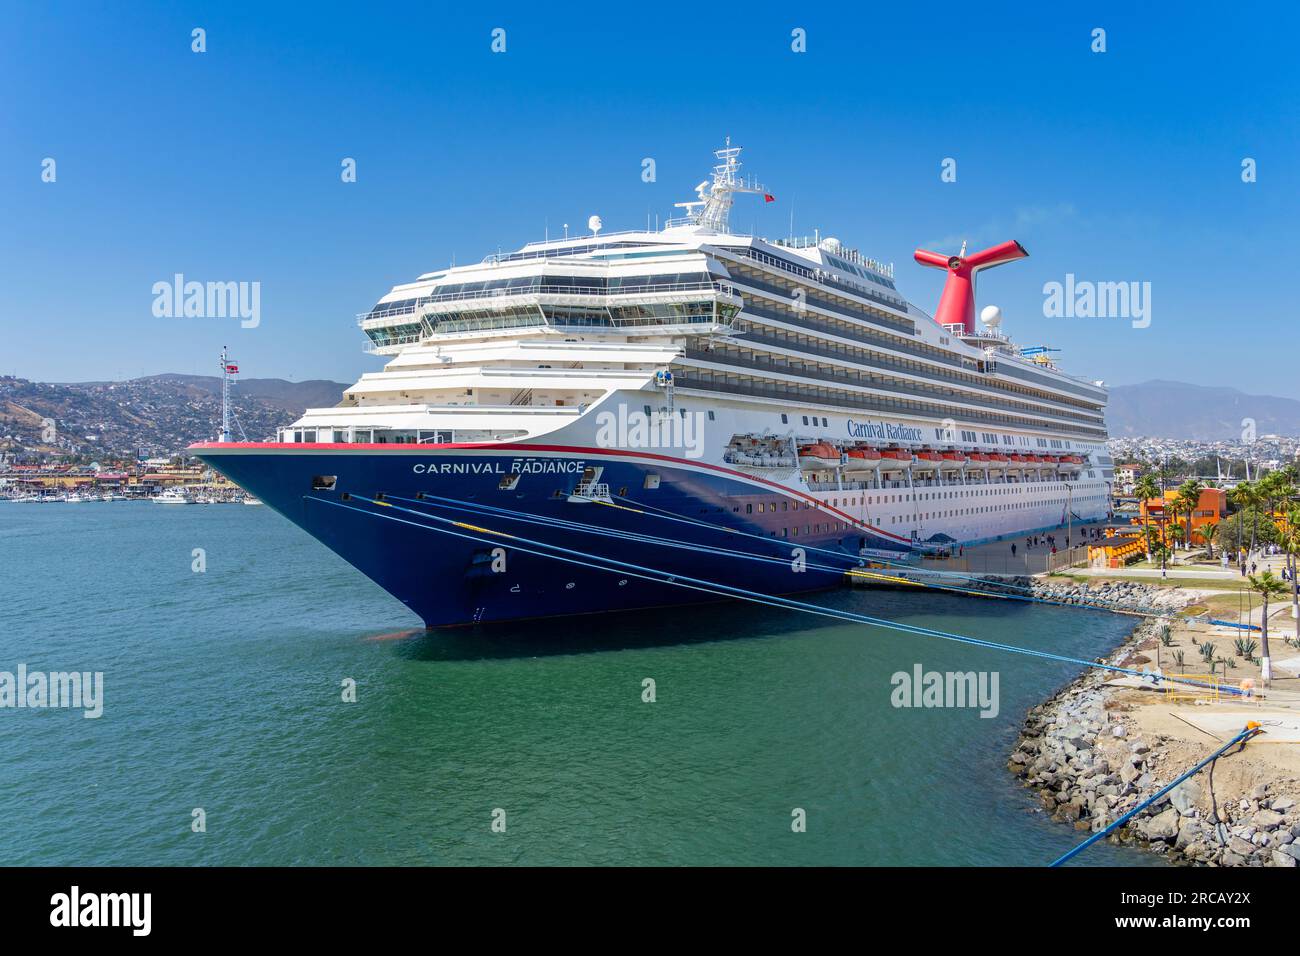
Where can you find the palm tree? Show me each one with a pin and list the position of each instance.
(1146, 489)
(1208, 531)
(1291, 545)
(1244, 497)
(1267, 585)
(1189, 496)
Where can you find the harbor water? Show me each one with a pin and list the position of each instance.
(227, 639)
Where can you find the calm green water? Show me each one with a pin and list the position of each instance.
(222, 691)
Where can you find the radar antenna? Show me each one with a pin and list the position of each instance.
(712, 210)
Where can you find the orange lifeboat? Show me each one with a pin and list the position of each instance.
(893, 458)
(862, 459)
(818, 453)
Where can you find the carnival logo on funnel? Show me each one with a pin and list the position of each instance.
(886, 431)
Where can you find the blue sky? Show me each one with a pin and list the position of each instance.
(224, 166)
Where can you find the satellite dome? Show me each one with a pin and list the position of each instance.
(594, 224)
(991, 316)
(831, 243)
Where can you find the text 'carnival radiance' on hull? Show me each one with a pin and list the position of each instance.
(756, 413)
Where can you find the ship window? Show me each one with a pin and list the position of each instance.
(651, 482)
(323, 482)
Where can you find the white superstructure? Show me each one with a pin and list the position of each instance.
(793, 361)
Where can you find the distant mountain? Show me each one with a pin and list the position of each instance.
(1179, 410)
(291, 396)
(159, 414)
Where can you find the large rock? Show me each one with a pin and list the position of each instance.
(1163, 826)
(1186, 796)
(1242, 848)
(1267, 820)
(1283, 859)
(1188, 832)
(1282, 804)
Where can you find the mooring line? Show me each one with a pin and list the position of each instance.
(1142, 610)
(853, 570)
(1251, 730)
(598, 563)
(603, 532)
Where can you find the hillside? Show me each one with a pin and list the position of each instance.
(156, 415)
(1212, 413)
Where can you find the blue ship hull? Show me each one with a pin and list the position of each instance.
(451, 574)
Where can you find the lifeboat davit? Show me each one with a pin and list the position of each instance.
(927, 460)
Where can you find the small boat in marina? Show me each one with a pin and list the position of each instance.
(172, 496)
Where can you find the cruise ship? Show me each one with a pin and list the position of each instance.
(594, 422)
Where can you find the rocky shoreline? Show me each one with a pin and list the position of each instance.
(1089, 763)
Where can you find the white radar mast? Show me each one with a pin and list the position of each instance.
(712, 210)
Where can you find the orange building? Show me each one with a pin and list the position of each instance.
(1115, 550)
(1211, 508)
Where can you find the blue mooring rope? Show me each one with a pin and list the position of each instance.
(1251, 730)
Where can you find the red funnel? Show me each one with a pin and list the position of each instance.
(957, 304)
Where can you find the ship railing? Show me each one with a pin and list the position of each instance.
(546, 250)
(725, 288)
(591, 491)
